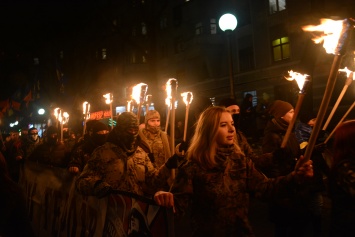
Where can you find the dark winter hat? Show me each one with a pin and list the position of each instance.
(227, 102)
(98, 126)
(126, 120)
(151, 114)
(279, 108)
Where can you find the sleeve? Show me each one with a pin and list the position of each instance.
(346, 178)
(265, 188)
(182, 188)
(92, 175)
(156, 178)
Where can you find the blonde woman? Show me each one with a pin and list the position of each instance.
(217, 179)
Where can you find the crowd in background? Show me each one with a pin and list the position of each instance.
(231, 153)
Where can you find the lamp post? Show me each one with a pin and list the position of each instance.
(228, 22)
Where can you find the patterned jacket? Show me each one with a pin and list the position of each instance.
(158, 144)
(220, 197)
(110, 166)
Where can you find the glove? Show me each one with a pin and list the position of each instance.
(102, 189)
(183, 146)
(172, 162)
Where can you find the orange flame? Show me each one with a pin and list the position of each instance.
(136, 92)
(300, 78)
(187, 97)
(108, 98)
(332, 30)
(86, 107)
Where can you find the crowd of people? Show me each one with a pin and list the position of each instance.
(212, 177)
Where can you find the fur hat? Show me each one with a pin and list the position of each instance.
(279, 108)
(151, 114)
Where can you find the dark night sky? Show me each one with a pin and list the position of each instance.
(26, 25)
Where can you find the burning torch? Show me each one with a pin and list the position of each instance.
(86, 113)
(148, 101)
(302, 82)
(139, 92)
(171, 87)
(109, 100)
(187, 98)
(349, 79)
(335, 38)
(63, 118)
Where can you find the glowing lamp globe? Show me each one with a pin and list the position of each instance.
(228, 22)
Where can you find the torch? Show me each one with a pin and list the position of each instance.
(86, 111)
(168, 103)
(349, 79)
(302, 82)
(57, 112)
(64, 118)
(334, 38)
(341, 120)
(172, 83)
(129, 105)
(187, 98)
(109, 100)
(148, 101)
(138, 94)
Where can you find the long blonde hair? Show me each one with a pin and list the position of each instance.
(203, 144)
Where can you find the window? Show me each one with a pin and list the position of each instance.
(103, 54)
(198, 28)
(255, 98)
(281, 49)
(213, 26)
(246, 59)
(144, 28)
(277, 5)
(179, 45)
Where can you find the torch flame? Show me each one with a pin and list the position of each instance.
(86, 107)
(348, 72)
(333, 31)
(108, 98)
(57, 112)
(187, 97)
(137, 92)
(300, 78)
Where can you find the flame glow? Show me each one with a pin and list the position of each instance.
(86, 107)
(300, 78)
(137, 92)
(57, 112)
(108, 98)
(348, 72)
(332, 30)
(187, 97)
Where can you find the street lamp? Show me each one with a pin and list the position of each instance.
(228, 22)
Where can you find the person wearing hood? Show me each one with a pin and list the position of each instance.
(51, 152)
(121, 164)
(156, 139)
(96, 136)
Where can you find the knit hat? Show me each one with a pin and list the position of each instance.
(151, 114)
(98, 126)
(227, 102)
(279, 108)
